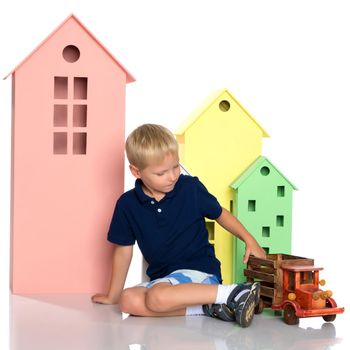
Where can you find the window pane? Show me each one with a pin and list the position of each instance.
(251, 205)
(61, 87)
(79, 143)
(280, 191)
(280, 220)
(60, 143)
(60, 115)
(265, 231)
(80, 88)
(80, 115)
(211, 230)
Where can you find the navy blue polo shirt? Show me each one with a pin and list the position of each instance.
(171, 233)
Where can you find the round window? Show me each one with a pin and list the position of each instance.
(71, 53)
(265, 170)
(224, 105)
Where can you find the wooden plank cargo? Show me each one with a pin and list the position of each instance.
(270, 275)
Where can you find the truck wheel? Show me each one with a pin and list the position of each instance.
(329, 318)
(289, 316)
(259, 308)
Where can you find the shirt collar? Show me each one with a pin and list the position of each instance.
(139, 191)
(144, 198)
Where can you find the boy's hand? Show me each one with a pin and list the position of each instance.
(254, 249)
(102, 299)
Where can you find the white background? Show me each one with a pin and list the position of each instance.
(287, 62)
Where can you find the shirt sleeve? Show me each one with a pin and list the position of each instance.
(120, 232)
(209, 206)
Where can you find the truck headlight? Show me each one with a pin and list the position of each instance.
(292, 296)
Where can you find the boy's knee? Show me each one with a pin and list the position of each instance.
(156, 299)
(130, 302)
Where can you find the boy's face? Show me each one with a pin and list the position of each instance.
(159, 178)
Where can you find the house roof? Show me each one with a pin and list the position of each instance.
(249, 171)
(197, 113)
(129, 77)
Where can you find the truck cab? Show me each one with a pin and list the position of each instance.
(302, 296)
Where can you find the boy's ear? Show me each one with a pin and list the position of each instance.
(135, 171)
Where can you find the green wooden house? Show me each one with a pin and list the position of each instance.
(262, 201)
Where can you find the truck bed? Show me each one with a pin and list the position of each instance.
(269, 273)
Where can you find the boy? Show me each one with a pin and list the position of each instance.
(165, 213)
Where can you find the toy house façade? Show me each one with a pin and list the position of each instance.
(217, 143)
(262, 201)
(68, 118)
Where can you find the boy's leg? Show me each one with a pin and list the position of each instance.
(133, 302)
(227, 302)
(165, 299)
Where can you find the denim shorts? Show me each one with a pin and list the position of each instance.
(183, 276)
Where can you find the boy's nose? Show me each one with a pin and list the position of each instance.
(172, 176)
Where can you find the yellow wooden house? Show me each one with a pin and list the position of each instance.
(217, 143)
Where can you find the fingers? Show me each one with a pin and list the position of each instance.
(99, 299)
(246, 256)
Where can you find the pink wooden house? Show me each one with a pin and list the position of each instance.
(67, 162)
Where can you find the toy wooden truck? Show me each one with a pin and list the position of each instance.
(291, 283)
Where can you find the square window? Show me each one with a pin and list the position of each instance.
(210, 225)
(280, 220)
(267, 249)
(60, 115)
(80, 115)
(61, 87)
(251, 205)
(79, 143)
(80, 88)
(280, 191)
(60, 143)
(265, 231)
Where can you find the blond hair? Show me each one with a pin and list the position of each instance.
(149, 144)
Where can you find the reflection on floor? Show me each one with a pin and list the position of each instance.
(67, 322)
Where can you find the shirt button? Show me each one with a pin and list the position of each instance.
(152, 202)
(159, 210)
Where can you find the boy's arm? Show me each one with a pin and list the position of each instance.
(230, 223)
(120, 265)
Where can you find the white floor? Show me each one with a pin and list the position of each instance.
(50, 322)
